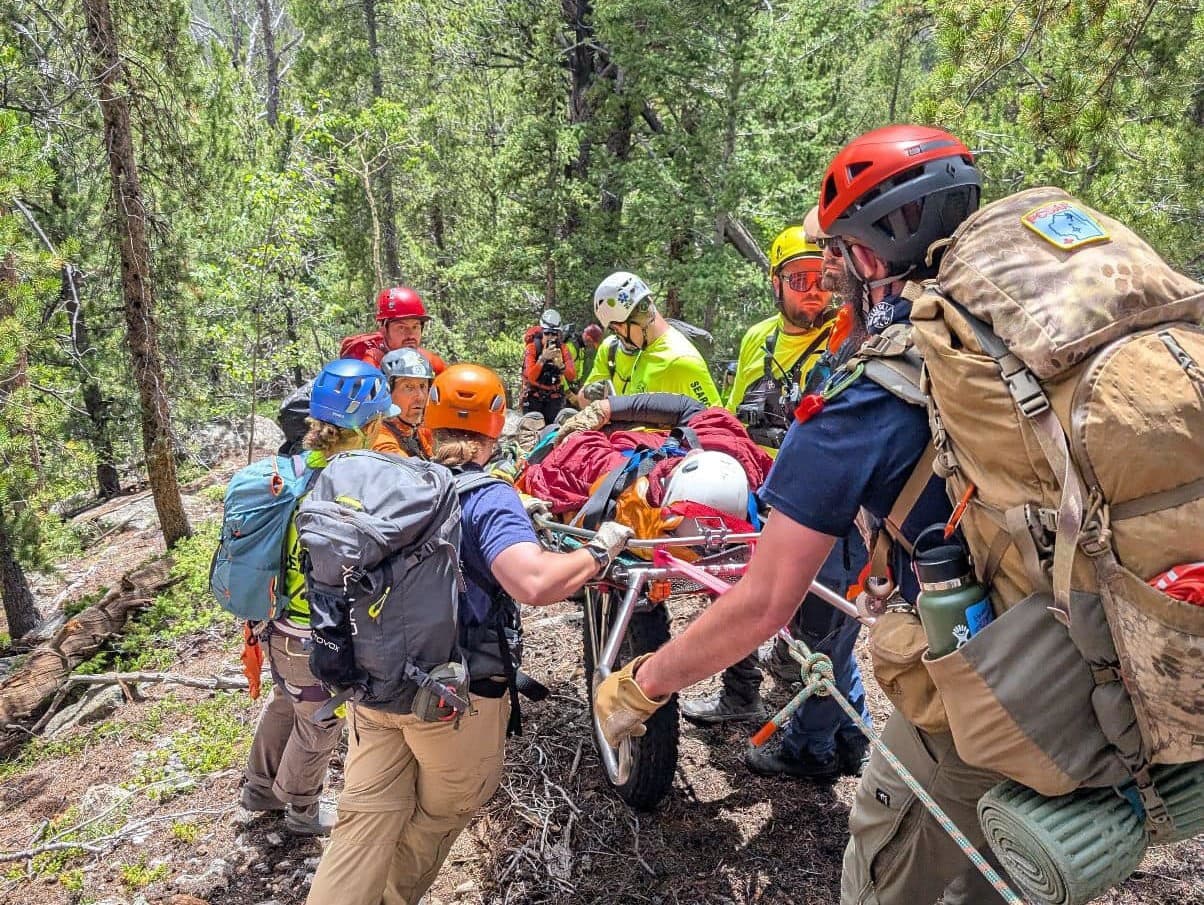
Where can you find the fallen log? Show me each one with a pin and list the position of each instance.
(49, 665)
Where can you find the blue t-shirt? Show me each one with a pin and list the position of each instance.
(858, 451)
(491, 520)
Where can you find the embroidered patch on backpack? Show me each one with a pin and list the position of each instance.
(1064, 225)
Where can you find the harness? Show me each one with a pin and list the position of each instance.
(767, 403)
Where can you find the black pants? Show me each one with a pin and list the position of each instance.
(548, 406)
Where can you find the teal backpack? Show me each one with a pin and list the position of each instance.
(246, 575)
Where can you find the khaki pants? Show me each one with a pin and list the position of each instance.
(410, 788)
(897, 853)
(291, 752)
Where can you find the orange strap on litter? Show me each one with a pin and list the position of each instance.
(252, 660)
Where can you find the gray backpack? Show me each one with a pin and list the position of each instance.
(381, 536)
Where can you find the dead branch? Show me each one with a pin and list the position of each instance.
(213, 683)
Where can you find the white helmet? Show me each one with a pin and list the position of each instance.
(712, 478)
(617, 296)
(550, 320)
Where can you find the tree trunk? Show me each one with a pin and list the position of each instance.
(49, 665)
(384, 176)
(19, 608)
(99, 434)
(129, 213)
(271, 62)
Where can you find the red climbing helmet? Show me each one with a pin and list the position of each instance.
(898, 189)
(400, 301)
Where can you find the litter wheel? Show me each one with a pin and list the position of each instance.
(1065, 850)
(644, 774)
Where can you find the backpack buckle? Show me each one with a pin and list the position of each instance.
(1023, 386)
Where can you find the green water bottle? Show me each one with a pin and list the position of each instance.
(953, 606)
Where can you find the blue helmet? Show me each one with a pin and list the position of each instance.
(350, 393)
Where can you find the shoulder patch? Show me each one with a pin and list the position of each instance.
(1065, 225)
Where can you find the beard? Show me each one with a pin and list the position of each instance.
(797, 317)
(847, 288)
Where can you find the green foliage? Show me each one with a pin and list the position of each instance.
(152, 635)
(139, 875)
(186, 831)
(214, 738)
(501, 156)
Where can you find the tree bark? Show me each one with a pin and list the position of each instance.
(271, 62)
(130, 216)
(19, 607)
(49, 665)
(384, 176)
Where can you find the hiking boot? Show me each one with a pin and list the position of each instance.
(253, 798)
(781, 665)
(723, 708)
(852, 755)
(316, 819)
(771, 759)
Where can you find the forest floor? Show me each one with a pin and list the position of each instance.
(154, 788)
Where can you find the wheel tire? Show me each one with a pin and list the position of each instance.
(654, 754)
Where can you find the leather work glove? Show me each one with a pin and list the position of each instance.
(610, 538)
(591, 418)
(535, 507)
(621, 706)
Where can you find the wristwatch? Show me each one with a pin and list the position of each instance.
(601, 557)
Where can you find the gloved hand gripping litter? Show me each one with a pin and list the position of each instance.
(621, 706)
(590, 418)
(535, 507)
(610, 538)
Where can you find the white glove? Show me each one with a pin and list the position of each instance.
(535, 507)
(610, 538)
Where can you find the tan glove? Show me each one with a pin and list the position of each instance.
(590, 418)
(610, 538)
(621, 706)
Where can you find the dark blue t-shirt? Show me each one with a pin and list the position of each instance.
(858, 451)
(491, 520)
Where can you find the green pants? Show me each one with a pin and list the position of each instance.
(897, 853)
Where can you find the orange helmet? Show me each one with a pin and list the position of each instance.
(469, 398)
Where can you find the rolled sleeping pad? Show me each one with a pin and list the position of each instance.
(1182, 788)
(1065, 850)
(1068, 850)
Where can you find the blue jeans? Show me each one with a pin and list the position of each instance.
(816, 726)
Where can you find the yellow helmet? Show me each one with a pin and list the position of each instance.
(791, 243)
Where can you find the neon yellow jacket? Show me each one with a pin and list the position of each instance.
(294, 579)
(750, 366)
(669, 364)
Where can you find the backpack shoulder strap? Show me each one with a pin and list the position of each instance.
(612, 355)
(467, 481)
(771, 345)
(893, 362)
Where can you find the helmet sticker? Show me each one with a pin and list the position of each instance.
(1065, 225)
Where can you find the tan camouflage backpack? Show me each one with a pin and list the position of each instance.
(1063, 370)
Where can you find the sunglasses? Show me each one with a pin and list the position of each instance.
(802, 281)
(830, 243)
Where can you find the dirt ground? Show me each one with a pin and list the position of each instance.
(554, 833)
